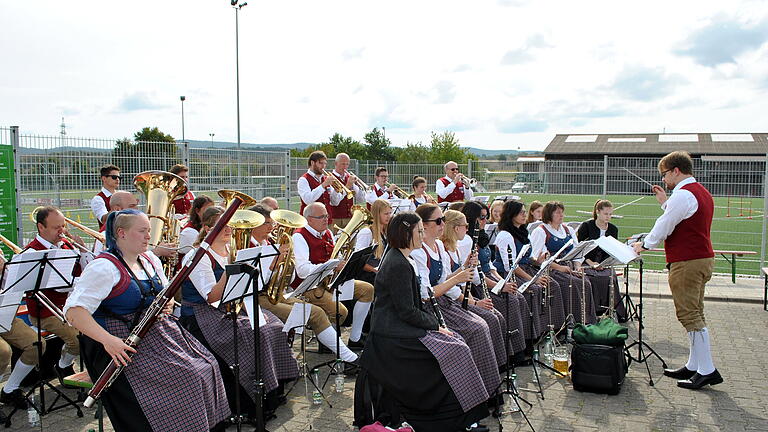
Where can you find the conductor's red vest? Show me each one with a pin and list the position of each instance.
(319, 249)
(456, 195)
(58, 298)
(690, 239)
(325, 198)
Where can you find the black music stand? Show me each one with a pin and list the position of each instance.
(351, 269)
(40, 272)
(579, 252)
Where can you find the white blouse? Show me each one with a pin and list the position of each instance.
(539, 237)
(420, 256)
(100, 276)
(202, 276)
(187, 238)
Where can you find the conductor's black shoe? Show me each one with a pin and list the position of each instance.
(356, 345)
(682, 373)
(322, 349)
(698, 381)
(351, 368)
(15, 399)
(63, 373)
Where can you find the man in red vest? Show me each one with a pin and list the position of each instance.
(450, 188)
(110, 181)
(182, 204)
(51, 228)
(342, 213)
(379, 189)
(685, 230)
(312, 246)
(315, 186)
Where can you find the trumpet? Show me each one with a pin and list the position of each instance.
(338, 186)
(397, 191)
(359, 182)
(471, 182)
(91, 232)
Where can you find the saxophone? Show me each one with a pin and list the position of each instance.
(345, 243)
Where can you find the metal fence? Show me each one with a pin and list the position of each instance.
(63, 171)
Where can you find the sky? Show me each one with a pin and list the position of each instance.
(501, 74)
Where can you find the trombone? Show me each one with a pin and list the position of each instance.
(11, 245)
(91, 232)
(338, 186)
(359, 182)
(397, 191)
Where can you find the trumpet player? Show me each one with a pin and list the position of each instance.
(342, 212)
(315, 186)
(380, 189)
(318, 320)
(452, 187)
(51, 234)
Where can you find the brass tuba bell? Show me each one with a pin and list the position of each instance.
(282, 273)
(242, 222)
(228, 195)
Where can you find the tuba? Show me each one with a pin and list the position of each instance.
(345, 243)
(242, 223)
(160, 188)
(228, 195)
(282, 273)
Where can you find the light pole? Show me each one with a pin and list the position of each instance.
(183, 98)
(237, 6)
(211, 134)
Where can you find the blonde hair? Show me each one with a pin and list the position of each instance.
(531, 208)
(210, 216)
(377, 229)
(494, 204)
(453, 219)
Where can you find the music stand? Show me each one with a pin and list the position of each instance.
(399, 205)
(34, 272)
(348, 273)
(619, 254)
(579, 252)
(443, 205)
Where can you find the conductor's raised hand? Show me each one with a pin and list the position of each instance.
(661, 194)
(638, 247)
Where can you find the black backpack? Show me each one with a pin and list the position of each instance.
(598, 368)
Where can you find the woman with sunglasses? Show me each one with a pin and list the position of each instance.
(548, 238)
(213, 326)
(375, 234)
(512, 238)
(423, 369)
(172, 382)
(420, 195)
(435, 272)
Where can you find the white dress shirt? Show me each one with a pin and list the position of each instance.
(371, 196)
(359, 193)
(680, 206)
(202, 276)
(443, 190)
(98, 206)
(539, 238)
(309, 195)
(364, 239)
(301, 253)
(100, 276)
(187, 238)
(465, 249)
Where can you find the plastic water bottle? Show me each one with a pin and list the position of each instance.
(338, 381)
(33, 417)
(535, 359)
(548, 351)
(512, 400)
(317, 397)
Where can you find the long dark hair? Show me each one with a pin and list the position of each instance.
(472, 211)
(194, 219)
(511, 209)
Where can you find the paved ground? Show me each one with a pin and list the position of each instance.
(739, 404)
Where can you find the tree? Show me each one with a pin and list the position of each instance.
(378, 146)
(413, 153)
(153, 135)
(445, 147)
(151, 150)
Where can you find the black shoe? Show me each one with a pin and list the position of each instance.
(682, 373)
(351, 368)
(322, 349)
(356, 345)
(698, 381)
(15, 398)
(63, 373)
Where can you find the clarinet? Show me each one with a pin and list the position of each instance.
(113, 370)
(436, 308)
(468, 285)
(483, 284)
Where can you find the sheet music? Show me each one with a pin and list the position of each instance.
(314, 278)
(237, 286)
(248, 302)
(617, 250)
(298, 317)
(347, 290)
(500, 284)
(489, 227)
(9, 304)
(23, 269)
(579, 251)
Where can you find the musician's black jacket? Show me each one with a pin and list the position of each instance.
(589, 231)
(398, 310)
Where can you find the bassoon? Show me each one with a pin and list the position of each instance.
(153, 312)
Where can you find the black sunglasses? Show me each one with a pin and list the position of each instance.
(483, 217)
(454, 169)
(113, 176)
(438, 221)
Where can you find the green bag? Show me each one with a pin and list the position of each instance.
(605, 332)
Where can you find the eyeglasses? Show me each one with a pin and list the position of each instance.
(113, 176)
(438, 221)
(453, 169)
(325, 216)
(664, 173)
(483, 217)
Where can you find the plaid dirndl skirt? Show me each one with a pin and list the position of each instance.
(496, 327)
(474, 330)
(572, 287)
(457, 365)
(550, 308)
(176, 380)
(515, 320)
(277, 362)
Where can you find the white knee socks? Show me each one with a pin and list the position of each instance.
(66, 359)
(703, 352)
(20, 371)
(692, 364)
(359, 313)
(327, 337)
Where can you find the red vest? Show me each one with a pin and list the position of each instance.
(319, 249)
(456, 195)
(325, 198)
(344, 209)
(183, 204)
(58, 298)
(106, 203)
(378, 192)
(690, 239)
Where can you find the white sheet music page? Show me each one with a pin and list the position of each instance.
(298, 317)
(248, 302)
(617, 249)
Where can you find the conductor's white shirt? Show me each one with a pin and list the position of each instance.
(680, 206)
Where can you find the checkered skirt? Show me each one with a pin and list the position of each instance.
(496, 327)
(458, 366)
(176, 380)
(552, 312)
(474, 330)
(517, 318)
(571, 287)
(277, 361)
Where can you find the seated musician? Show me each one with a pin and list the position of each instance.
(172, 382)
(313, 245)
(110, 180)
(602, 279)
(451, 188)
(512, 237)
(342, 212)
(436, 275)
(420, 195)
(535, 210)
(318, 320)
(51, 232)
(379, 188)
(376, 233)
(120, 200)
(315, 186)
(213, 326)
(191, 230)
(548, 238)
(270, 202)
(182, 204)
(428, 371)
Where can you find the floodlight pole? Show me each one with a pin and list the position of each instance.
(183, 98)
(237, 6)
